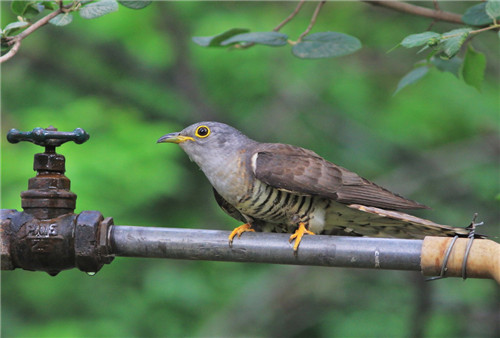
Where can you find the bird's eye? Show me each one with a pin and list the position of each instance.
(202, 131)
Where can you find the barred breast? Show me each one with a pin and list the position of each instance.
(280, 207)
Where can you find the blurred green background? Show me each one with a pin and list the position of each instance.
(132, 76)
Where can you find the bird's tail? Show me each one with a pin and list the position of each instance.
(359, 220)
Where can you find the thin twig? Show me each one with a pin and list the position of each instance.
(494, 26)
(417, 10)
(313, 20)
(11, 52)
(277, 28)
(290, 17)
(16, 40)
(436, 7)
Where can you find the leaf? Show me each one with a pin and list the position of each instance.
(473, 68)
(135, 4)
(453, 40)
(476, 15)
(451, 66)
(493, 8)
(325, 45)
(32, 10)
(215, 41)
(415, 40)
(62, 19)
(96, 9)
(14, 25)
(412, 77)
(19, 7)
(49, 5)
(263, 38)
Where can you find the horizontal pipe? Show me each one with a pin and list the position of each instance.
(319, 250)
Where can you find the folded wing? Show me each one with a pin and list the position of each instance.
(304, 172)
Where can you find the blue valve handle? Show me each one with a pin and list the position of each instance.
(49, 137)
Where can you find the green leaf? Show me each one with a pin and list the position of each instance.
(451, 66)
(415, 40)
(215, 41)
(14, 25)
(263, 38)
(325, 45)
(453, 40)
(96, 9)
(50, 5)
(412, 77)
(473, 68)
(62, 19)
(19, 7)
(476, 15)
(493, 8)
(33, 10)
(135, 4)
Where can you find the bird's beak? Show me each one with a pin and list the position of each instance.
(174, 138)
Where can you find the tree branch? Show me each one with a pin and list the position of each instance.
(16, 40)
(290, 17)
(313, 20)
(418, 10)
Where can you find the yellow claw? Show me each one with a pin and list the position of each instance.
(238, 231)
(298, 234)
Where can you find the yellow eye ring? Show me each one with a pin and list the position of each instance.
(202, 131)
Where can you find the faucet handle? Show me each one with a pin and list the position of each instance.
(48, 137)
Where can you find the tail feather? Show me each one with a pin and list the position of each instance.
(375, 222)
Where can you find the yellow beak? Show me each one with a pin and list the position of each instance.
(174, 138)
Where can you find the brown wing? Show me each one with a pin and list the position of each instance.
(304, 172)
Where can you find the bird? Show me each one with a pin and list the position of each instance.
(285, 188)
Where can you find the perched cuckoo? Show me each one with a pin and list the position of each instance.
(282, 188)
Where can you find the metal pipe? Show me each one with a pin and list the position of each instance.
(320, 250)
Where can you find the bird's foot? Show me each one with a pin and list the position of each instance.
(238, 231)
(298, 234)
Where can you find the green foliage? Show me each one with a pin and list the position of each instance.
(216, 41)
(313, 46)
(96, 9)
(477, 15)
(19, 7)
(453, 41)
(13, 26)
(326, 45)
(426, 38)
(62, 19)
(29, 10)
(493, 8)
(473, 68)
(412, 77)
(448, 45)
(308, 46)
(140, 4)
(452, 65)
(261, 38)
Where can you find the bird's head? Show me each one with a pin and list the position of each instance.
(208, 142)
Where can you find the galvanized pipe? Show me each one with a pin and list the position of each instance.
(319, 250)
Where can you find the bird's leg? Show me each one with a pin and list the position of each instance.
(238, 231)
(298, 234)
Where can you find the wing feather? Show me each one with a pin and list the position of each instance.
(304, 172)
